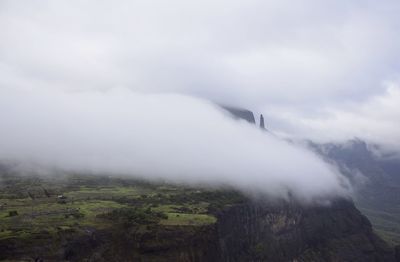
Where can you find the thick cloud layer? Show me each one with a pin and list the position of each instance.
(172, 137)
(306, 56)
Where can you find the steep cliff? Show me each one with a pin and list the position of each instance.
(376, 180)
(291, 232)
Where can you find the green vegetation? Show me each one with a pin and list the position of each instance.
(175, 219)
(12, 213)
(134, 216)
(385, 222)
(34, 209)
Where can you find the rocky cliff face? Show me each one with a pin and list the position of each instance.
(289, 232)
(376, 181)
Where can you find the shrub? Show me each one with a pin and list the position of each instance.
(77, 215)
(12, 213)
(134, 216)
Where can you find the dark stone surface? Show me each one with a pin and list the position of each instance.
(262, 123)
(397, 250)
(289, 232)
(240, 113)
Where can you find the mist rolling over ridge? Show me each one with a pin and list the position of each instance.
(172, 137)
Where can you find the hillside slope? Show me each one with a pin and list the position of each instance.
(376, 180)
(119, 219)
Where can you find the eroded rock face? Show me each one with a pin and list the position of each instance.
(289, 232)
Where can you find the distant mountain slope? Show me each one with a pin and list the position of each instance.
(376, 180)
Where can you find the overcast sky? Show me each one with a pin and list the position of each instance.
(324, 70)
(252, 52)
(327, 69)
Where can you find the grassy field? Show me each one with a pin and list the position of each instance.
(48, 206)
(31, 205)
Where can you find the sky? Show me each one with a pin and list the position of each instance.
(320, 70)
(310, 66)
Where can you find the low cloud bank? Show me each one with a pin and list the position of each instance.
(171, 137)
(374, 120)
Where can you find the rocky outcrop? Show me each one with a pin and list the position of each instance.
(245, 114)
(240, 113)
(262, 123)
